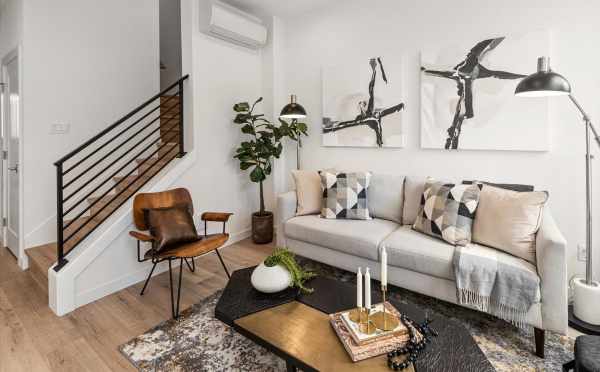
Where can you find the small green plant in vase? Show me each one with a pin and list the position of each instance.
(285, 258)
(280, 271)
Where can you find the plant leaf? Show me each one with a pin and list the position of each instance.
(241, 118)
(248, 129)
(245, 165)
(302, 127)
(257, 175)
(241, 107)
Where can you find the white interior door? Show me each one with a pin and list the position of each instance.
(11, 141)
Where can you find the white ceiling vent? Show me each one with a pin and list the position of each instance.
(231, 24)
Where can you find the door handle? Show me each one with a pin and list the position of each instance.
(14, 169)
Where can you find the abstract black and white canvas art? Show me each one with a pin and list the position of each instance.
(467, 95)
(362, 104)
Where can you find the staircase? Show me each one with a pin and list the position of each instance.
(97, 178)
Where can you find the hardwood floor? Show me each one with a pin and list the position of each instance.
(33, 339)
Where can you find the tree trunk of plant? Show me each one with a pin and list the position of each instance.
(262, 200)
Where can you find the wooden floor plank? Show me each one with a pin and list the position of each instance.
(11, 268)
(17, 350)
(33, 339)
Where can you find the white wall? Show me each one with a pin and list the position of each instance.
(170, 41)
(223, 74)
(394, 29)
(11, 26)
(86, 64)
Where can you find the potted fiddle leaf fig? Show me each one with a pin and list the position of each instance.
(257, 154)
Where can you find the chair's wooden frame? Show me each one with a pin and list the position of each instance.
(183, 252)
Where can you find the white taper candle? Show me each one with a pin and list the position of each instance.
(359, 287)
(367, 289)
(383, 267)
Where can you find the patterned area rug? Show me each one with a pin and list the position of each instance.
(199, 342)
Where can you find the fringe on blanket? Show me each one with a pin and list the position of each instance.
(502, 311)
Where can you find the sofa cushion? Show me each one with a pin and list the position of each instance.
(415, 251)
(447, 211)
(412, 250)
(509, 220)
(309, 195)
(345, 195)
(356, 237)
(386, 197)
(413, 190)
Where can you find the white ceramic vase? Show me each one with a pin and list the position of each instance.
(270, 279)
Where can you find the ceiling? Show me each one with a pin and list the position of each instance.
(280, 8)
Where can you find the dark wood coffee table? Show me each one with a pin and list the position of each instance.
(296, 328)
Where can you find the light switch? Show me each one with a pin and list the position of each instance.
(59, 128)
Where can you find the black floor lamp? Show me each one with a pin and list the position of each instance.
(294, 111)
(584, 315)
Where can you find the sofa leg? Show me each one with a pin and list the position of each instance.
(539, 342)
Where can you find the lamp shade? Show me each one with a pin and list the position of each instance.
(293, 110)
(543, 83)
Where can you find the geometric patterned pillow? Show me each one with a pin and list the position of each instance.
(345, 195)
(447, 211)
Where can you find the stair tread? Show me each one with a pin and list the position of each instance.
(151, 160)
(41, 258)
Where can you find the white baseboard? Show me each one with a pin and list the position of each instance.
(44, 233)
(128, 280)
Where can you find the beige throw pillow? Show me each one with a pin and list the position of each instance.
(508, 220)
(308, 192)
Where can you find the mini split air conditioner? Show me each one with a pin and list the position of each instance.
(231, 24)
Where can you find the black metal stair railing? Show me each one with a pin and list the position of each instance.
(100, 175)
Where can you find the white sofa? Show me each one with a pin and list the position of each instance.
(416, 261)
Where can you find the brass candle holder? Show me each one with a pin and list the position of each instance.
(358, 315)
(382, 319)
(361, 316)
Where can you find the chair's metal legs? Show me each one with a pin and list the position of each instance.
(148, 279)
(175, 306)
(192, 267)
(171, 286)
(179, 288)
(223, 263)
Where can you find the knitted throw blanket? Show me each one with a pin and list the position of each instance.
(494, 285)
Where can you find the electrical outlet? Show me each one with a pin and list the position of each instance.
(581, 253)
(59, 128)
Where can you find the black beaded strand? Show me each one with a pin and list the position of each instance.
(412, 348)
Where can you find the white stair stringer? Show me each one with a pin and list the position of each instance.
(106, 261)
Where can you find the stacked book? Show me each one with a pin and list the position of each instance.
(360, 345)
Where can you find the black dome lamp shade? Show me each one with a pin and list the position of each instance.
(543, 83)
(293, 110)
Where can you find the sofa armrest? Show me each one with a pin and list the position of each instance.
(551, 256)
(286, 209)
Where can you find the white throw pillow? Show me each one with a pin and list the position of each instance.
(309, 194)
(509, 220)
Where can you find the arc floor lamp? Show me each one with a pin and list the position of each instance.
(294, 111)
(584, 314)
